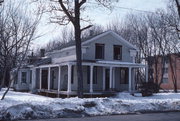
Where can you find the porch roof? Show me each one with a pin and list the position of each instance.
(129, 64)
(98, 63)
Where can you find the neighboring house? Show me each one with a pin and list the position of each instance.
(108, 66)
(167, 73)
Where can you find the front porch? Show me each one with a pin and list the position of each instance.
(64, 94)
(99, 78)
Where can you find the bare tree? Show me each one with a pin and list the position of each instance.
(66, 12)
(155, 35)
(17, 31)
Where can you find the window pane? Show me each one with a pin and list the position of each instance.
(30, 81)
(123, 76)
(72, 75)
(165, 70)
(165, 80)
(95, 75)
(99, 52)
(117, 52)
(88, 75)
(23, 77)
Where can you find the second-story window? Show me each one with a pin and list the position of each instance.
(117, 52)
(165, 70)
(99, 51)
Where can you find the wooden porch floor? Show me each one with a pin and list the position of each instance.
(65, 94)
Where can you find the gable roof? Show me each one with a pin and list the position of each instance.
(118, 37)
(71, 44)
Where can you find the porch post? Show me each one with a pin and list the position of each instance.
(33, 81)
(40, 78)
(110, 76)
(49, 77)
(59, 79)
(69, 78)
(104, 82)
(133, 80)
(130, 84)
(91, 78)
(113, 78)
(146, 73)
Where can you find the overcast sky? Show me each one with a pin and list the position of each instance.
(102, 16)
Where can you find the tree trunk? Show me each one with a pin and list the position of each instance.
(4, 78)
(78, 48)
(178, 7)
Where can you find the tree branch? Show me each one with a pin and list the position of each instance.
(71, 18)
(87, 27)
(82, 2)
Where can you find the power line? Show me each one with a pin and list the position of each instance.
(132, 9)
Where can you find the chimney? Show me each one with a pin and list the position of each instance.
(32, 54)
(42, 52)
(91, 32)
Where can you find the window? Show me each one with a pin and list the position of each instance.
(53, 77)
(88, 75)
(95, 75)
(124, 76)
(165, 70)
(165, 80)
(99, 52)
(166, 60)
(15, 78)
(30, 80)
(23, 77)
(117, 52)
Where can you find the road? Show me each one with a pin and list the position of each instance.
(168, 116)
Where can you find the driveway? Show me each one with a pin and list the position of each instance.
(168, 116)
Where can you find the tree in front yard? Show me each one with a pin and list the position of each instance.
(17, 31)
(69, 11)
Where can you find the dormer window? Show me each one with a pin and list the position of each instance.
(99, 51)
(117, 52)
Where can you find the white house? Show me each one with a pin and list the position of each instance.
(108, 66)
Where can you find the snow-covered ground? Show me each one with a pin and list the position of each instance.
(18, 105)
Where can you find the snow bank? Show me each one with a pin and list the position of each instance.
(18, 105)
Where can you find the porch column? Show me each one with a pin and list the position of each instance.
(59, 79)
(146, 73)
(69, 78)
(133, 80)
(33, 81)
(110, 78)
(40, 78)
(130, 84)
(113, 78)
(91, 78)
(104, 80)
(49, 77)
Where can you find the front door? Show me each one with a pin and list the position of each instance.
(107, 79)
(44, 77)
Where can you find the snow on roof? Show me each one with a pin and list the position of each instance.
(120, 63)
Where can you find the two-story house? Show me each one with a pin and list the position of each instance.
(108, 65)
(166, 70)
